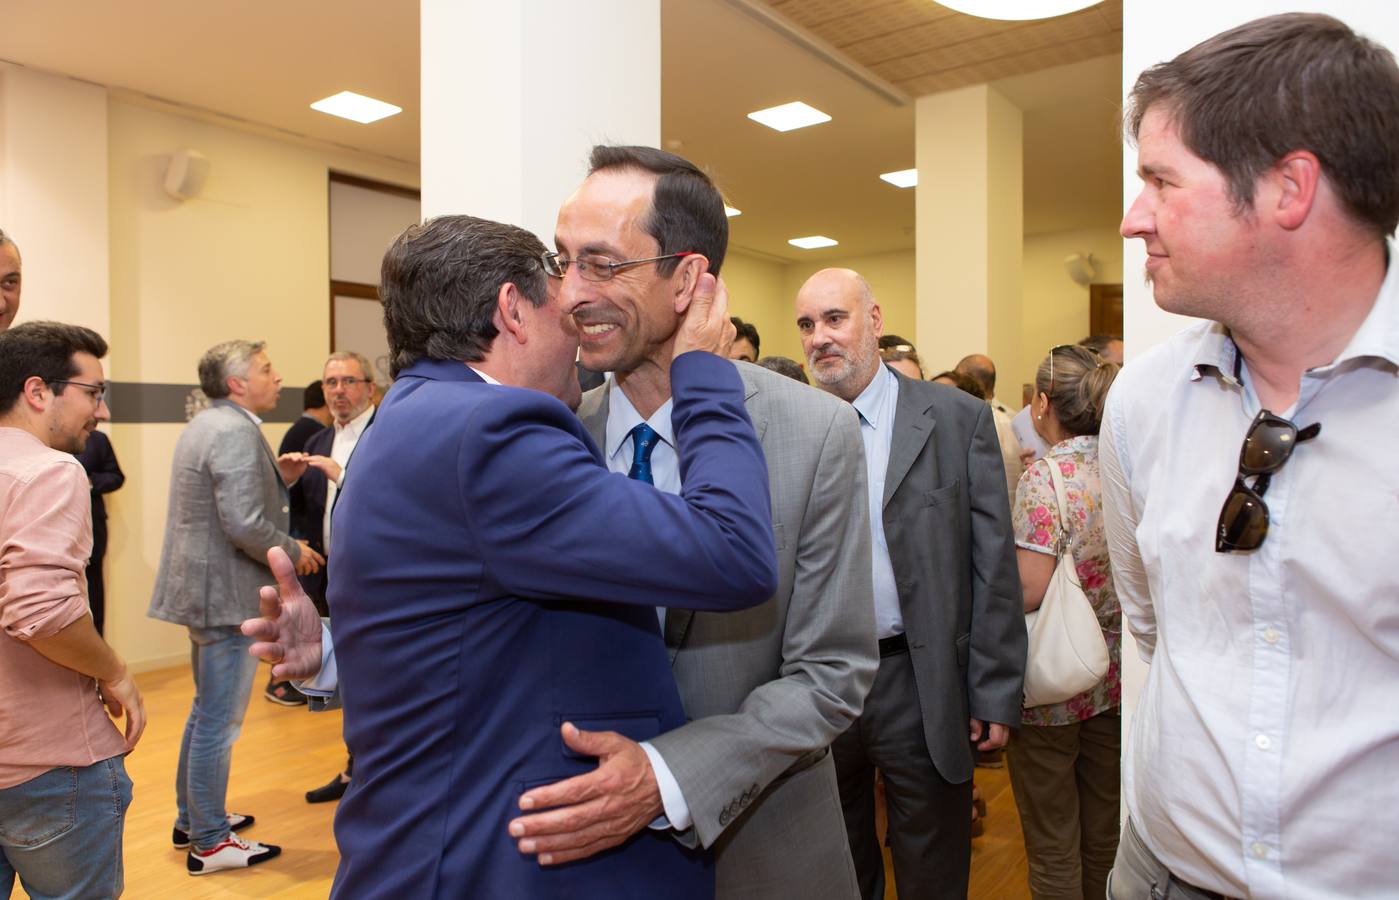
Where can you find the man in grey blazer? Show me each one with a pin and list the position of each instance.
(766, 689)
(228, 507)
(946, 595)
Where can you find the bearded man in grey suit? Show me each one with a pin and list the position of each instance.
(228, 507)
(766, 689)
(946, 591)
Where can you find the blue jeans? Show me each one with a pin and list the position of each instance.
(61, 832)
(223, 679)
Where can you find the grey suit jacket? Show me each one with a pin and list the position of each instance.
(947, 524)
(228, 507)
(769, 688)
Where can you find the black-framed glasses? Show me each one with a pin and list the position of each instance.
(598, 268)
(333, 383)
(1268, 445)
(97, 392)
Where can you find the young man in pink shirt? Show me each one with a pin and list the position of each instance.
(63, 784)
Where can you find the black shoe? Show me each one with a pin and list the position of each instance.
(236, 822)
(283, 694)
(330, 792)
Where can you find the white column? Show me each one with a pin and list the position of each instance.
(53, 194)
(970, 218)
(514, 95)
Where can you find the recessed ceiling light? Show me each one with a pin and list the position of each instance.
(356, 107)
(815, 242)
(903, 178)
(789, 116)
(1017, 10)
(731, 212)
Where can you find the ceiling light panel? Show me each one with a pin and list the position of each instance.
(1017, 10)
(815, 242)
(789, 116)
(904, 178)
(356, 107)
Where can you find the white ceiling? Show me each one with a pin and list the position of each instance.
(261, 64)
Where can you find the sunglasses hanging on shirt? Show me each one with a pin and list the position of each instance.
(1268, 445)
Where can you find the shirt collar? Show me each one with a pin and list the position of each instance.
(871, 401)
(622, 417)
(482, 375)
(1378, 336)
(224, 401)
(356, 425)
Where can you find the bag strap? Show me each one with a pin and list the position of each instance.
(1060, 494)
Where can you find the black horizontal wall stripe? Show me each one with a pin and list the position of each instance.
(134, 402)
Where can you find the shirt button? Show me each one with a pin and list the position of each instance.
(1264, 743)
(1260, 851)
(1272, 635)
(286, 509)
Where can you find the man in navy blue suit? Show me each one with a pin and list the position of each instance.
(495, 586)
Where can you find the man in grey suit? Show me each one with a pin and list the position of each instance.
(228, 507)
(946, 594)
(766, 689)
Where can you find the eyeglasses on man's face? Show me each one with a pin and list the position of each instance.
(593, 267)
(1268, 445)
(333, 383)
(98, 392)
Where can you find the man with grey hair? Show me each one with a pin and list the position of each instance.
(9, 280)
(228, 507)
(349, 389)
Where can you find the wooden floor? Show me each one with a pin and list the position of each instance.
(284, 751)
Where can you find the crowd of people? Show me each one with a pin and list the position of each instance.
(665, 634)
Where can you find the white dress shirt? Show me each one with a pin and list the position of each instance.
(346, 437)
(622, 417)
(876, 405)
(1263, 758)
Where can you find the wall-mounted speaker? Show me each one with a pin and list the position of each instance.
(185, 174)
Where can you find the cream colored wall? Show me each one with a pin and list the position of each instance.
(1055, 308)
(247, 258)
(756, 287)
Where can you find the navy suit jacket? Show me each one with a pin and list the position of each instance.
(491, 580)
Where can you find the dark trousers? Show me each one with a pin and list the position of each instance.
(930, 827)
(96, 595)
(1065, 780)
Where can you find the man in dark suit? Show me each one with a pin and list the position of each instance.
(494, 583)
(315, 416)
(104, 475)
(947, 598)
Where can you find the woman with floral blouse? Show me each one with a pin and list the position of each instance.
(1065, 757)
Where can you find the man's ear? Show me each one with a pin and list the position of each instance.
(687, 279)
(877, 320)
(507, 317)
(36, 393)
(1296, 178)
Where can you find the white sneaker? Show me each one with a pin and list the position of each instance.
(236, 822)
(233, 853)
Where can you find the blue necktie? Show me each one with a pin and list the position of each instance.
(643, 441)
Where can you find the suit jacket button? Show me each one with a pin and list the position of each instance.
(286, 509)
(724, 817)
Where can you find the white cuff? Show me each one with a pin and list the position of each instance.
(324, 683)
(677, 811)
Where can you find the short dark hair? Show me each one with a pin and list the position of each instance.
(894, 342)
(439, 283)
(1299, 81)
(982, 370)
(962, 382)
(44, 349)
(687, 210)
(314, 396)
(784, 366)
(746, 331)
(1099, 342)
(899, 352)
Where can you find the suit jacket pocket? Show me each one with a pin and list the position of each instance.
(963, 646)
(944, 496)
(779, 536)
(638, 726)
